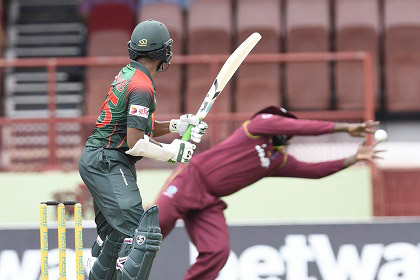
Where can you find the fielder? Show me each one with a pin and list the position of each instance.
(123, 135)
(254, 151)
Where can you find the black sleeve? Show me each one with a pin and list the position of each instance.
(138, 108)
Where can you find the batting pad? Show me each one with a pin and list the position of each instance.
(146, 243)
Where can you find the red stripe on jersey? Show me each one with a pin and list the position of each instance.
(140, 82)
(122, 142)
(110, 136)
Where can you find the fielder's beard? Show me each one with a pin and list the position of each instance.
(281, 140)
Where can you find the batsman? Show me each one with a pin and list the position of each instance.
(254, 151)
(123, 135)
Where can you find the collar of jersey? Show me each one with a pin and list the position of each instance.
(142, 68)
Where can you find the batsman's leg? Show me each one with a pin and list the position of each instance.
(146, 243)
(103, 228)
(112, 182)
(97, 247)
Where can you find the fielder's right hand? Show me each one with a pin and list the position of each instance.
(361, 129)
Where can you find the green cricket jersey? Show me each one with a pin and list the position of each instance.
(130, 102)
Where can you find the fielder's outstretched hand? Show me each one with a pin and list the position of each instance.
(369, 153)
(361, 129)
(364, 153)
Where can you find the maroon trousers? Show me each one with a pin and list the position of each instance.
(184, 196)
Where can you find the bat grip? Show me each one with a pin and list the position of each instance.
(187, 133)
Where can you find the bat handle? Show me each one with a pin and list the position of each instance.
(187, 133)
(185, 137)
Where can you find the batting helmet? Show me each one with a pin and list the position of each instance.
(151, 39)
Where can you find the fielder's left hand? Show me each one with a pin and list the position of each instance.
(181, 125)
(369, 153)
(364, 153)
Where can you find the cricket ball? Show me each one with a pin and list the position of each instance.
(381, 135)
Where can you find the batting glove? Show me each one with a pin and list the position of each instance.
(182, 150)
(198, 131)
(181, 125)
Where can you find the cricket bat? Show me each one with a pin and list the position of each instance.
(225, 74)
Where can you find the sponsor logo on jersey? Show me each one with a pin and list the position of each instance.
(143, 43)
(140, 111)
(265, 161)
(171, 191)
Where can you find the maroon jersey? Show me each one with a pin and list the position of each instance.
(249, 155)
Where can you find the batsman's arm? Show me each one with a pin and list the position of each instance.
(177, 151)
(161, 128)
(134, 135)
(165, 127)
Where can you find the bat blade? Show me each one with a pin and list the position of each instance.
(226, 72)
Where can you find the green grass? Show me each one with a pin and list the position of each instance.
(344, 195)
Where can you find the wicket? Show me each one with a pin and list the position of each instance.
(78, 239)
